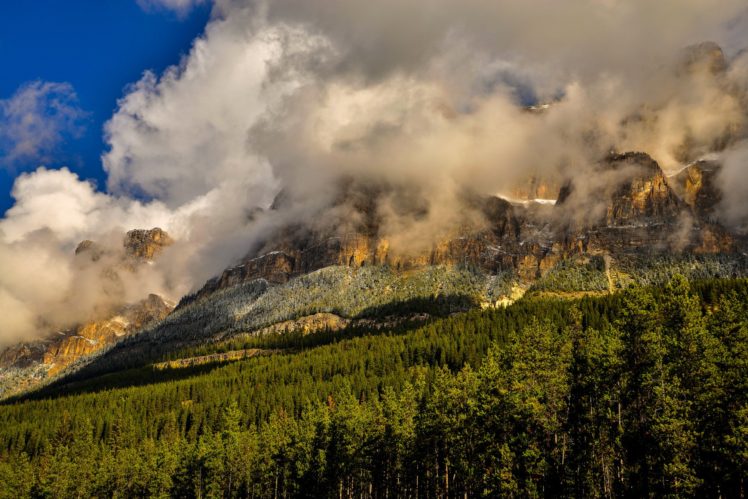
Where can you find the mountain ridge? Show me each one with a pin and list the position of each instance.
(579, 245)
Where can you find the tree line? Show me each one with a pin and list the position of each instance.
(643, 393)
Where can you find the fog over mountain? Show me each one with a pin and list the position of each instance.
(428, 98)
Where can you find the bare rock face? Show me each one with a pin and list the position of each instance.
(137, 246)
(21, 355)
(642, 213)
(697, 186)
(634, 211)
(632, 191)
(705, 56)
(89, 249)
(48, 358)
(308, 324)
(146, 244)
(94, 336)
(644, 195)
(536, 187)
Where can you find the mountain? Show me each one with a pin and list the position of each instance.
(627, 222)
(628, 225)
(637, 211)
(326, 336)
(27, 365)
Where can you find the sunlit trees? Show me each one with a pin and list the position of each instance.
(642, 393)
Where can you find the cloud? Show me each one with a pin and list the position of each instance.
(733, 181)
(36, 120)
(579, 37)
(297, 95)
(291, 92)
(59, 202)
(43, 286)
(183, 134)
(420, 100)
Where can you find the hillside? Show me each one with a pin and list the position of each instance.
(355, 249)
(583, 401)
(641, 228)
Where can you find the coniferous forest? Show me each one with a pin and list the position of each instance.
(640, 393)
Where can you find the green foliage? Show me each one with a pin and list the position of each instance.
(571, 276)
(649, 270)
(639, 394)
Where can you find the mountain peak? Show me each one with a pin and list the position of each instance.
(707, 56)
(146, 244)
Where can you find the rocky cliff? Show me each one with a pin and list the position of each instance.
(631, 208)
(697, 186)
(625, 223)
(27, 365)
(146, 244)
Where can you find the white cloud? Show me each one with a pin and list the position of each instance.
(59, 202)
(42, 284)
(35, 121)
(184, 134)
(418, 94)
(297, 93)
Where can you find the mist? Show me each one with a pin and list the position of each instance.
(426, 97)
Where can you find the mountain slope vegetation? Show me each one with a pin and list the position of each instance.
(633, 394)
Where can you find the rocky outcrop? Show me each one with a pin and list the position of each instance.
(89, 249)
(146, 244)
(536, 187)
(63, 349)
(212, 358)
(94, 336)
(309, 324)
(22, 355)
(642, 195)
(697, 186)
(324, 321)
(628, 190)
(138, 245)
(641, 213)
(705, 56)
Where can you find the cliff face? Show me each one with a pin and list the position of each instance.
(697, 186)
(28, 365)
(644, 214)
(637, 211)
(146, 244)
(536, 187)
(705, 56)
(642, 195)
(89, 338)
(137, 246)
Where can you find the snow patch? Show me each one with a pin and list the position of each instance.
(118, 319)
(527, 202)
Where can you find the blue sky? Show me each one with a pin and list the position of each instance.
(98, 47)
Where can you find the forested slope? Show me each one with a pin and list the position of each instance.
(639, 393)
